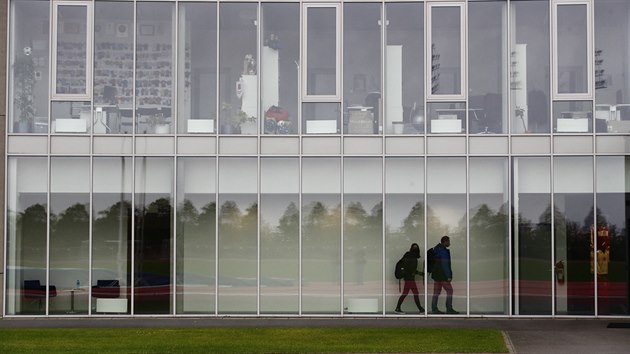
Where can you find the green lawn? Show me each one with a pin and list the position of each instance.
(251, 340)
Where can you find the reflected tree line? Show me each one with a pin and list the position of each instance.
(69, 228)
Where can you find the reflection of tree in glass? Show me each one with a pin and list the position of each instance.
(153, 227)
(236, 228)
(288, 225)
(321, 225)
(71, 227)
(488, 224)
(31, 228)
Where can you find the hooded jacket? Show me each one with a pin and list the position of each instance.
(411, 264)
(442, 267)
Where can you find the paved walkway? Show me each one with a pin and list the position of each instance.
(573, 336)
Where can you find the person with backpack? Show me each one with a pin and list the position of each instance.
(408, 266)
(442, 274)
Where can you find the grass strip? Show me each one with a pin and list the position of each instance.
(251, 340)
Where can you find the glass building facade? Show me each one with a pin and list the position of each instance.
(261, 158)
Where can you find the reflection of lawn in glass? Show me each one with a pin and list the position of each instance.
(252, 340)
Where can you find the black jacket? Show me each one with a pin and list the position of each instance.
(411, 265)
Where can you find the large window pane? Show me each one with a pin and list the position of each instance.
(363, 235)
(26, 236)
(489, 267)
(197, 68)
(611, 62)
(487, 84)
(532, 236)
(320, 118)
(238, 225)
(529, 66)
(196, 231)
(111, 234)
(69, 234)
(611, 244)
(573, 222)
(280, 56)
(446, 215)
(71, 58)
(362, 68)
(238, 66)
(28, 73)
(446, 50)
(321, 235)
(573, 116)
(321, 51)
(113, 67)
(404, 71)
(153, 235)
(279, 235)
(154, 67)
(572, 48)
(404, 223)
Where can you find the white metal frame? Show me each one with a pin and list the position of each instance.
(463, 52)
(312, 97)
(88, 51)
(589, 50)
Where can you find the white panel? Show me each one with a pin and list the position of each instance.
(363, 175)
(279, 175)
(404, 175)
(321, 176)
(270, 77)
(69, 175)
(573, 175)
(271, 145)
(237, 176)
(393, 86)
(199, 176)
(533, 175)
(446, 175)
(111, 175)
(28, 144)
(32, 174)
(611, 174)
(249, 88)
(488, 175)
(154, 175)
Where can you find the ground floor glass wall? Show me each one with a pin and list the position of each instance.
(314, 235)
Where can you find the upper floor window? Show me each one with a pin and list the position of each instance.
(321, 51)
(72, 50)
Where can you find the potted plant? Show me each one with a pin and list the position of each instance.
(24, 77)
(247, 123)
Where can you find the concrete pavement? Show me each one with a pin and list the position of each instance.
(525, 335)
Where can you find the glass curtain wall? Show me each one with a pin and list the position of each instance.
(25, 249)
(69, 247)
(279, 235)
(612, 43)
(489, 232)
(153, 235)
(529, 66)
(321, 235)
(155, 56)
(113, 67)
(574, 215)
(238, 235)
(196, 235)
(611, 241)
(197, 68)
(487, 66)
(446, 216)
(362, 68)
(363, 234)
(111, 234)
(531, 232)
(279, 67)
(238, 68)
(403, 98)
(29, 69)
(404, 222)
